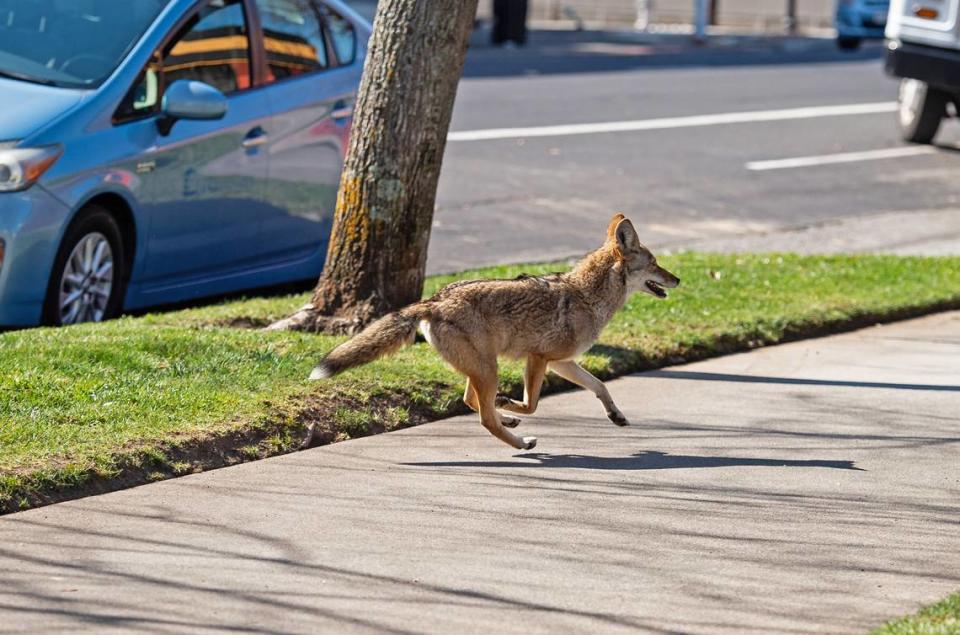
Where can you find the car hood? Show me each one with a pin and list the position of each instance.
(28, 107)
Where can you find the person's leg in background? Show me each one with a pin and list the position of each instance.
(499, 33)
(509, 22)
(518, 21)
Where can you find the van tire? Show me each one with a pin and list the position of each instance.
(920, 109)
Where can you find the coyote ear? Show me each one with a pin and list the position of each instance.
(627, 239)
(612, 227)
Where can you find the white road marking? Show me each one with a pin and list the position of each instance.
(674, 122)
(842, 157)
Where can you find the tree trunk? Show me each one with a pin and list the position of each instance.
(378, 245)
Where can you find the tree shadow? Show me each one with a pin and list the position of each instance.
(647, 460)
(795, 381)
(124, 610)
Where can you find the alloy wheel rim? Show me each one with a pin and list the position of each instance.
(87, 281)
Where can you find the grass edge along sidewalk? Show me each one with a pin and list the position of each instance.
(98, 407)
(940, 618)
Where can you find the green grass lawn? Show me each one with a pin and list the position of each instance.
(942, 618)
(93, 407)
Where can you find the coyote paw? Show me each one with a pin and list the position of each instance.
(529, 443)
(618, 418)
(502, 400)
(509, 422)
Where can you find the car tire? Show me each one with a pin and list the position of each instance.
(82, 287)
(920, 109)
(848, 43)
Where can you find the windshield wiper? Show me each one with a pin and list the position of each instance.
(27, 78)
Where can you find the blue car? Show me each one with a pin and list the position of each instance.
(156, 151)
(857, 20)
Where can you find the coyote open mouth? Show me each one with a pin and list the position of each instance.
(656, 289)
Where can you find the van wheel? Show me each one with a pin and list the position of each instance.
(89, 276)
(848, 43)
(920, 110)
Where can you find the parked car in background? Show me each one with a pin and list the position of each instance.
(923, 50)
(857, 20)
(155, 151)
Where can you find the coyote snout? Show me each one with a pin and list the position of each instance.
(643, 272)
(546, 320)
(657, 280)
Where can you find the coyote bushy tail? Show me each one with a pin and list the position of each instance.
(388, 334)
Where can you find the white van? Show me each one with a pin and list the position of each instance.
(923, 49)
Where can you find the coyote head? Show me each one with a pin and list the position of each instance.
(643, 272)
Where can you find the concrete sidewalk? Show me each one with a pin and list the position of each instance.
(810, 487)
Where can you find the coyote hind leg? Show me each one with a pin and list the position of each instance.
(532, 384)
(576, 374)
(486, 388)
(481, 388)
(509, 422)
(470, 398)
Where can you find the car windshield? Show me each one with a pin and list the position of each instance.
(70, 43)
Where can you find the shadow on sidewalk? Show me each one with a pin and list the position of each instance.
(649, 460)
(236, 546)
(759, 379)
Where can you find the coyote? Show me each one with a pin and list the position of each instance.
(547, 320)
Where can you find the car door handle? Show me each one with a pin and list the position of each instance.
(254, 138)
(341, 110)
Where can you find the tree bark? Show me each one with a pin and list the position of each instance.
(381, 228)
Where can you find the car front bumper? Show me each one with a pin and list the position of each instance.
(30, 225)
(938, 67)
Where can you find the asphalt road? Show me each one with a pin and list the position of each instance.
(805, 488)
(534, 198)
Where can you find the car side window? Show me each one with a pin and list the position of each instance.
(213, 47)
(343, 37)
(292, 38)
(143, 98)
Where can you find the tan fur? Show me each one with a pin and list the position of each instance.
(385, 336)
(547, 320)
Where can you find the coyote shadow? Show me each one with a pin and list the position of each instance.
(648, 460)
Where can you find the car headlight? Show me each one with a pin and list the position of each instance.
(21, 167)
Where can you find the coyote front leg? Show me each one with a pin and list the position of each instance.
(532, 383)
(575, 373)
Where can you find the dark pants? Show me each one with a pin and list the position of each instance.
(509, 21)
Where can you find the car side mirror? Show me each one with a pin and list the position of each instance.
(188, 99)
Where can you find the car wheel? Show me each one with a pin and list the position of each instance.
(89, 274)
(920, 110)
(848, 43)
